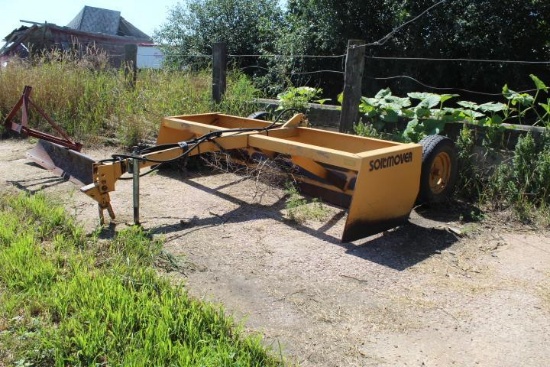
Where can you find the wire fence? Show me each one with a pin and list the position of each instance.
(332, 67)
(293, 72)
(341, 71)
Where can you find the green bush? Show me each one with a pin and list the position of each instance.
(524, 182)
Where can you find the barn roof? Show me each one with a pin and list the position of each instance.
(98, 20)
(94, 24)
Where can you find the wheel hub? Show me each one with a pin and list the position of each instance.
(440, 172)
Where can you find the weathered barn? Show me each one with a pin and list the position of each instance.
(101, 28)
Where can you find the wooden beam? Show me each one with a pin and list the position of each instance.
(355, 63)
(219, 66)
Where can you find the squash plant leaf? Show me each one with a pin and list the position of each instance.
(492, 107)
(539, 83)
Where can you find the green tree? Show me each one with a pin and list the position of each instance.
(465, 29)
(457, 29)
(481, 29)
(323, 28)
(246, 26)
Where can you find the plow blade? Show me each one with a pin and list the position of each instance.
(67, 163)
(386, 189)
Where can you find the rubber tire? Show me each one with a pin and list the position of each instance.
(432, 147)
(259, 115)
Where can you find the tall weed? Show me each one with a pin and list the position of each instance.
(471, 175)
(93, 102)
(522, 183)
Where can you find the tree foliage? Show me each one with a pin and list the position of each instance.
(323, 27)
(457, 29)
(194, 25)
(482, 29)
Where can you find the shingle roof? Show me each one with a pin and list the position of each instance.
(106, 27)
(98, 20)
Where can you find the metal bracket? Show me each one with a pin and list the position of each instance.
(23, 104)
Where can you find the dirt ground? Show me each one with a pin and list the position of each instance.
(435, 292)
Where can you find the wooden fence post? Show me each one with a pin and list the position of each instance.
(355, 62)
(219, 66)
(130, 64)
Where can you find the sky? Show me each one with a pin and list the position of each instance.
(145, 15)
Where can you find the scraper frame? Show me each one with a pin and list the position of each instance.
(378, 181)
(380, 178)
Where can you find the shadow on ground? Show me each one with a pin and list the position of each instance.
(451, 211)
(404, 246)
(34, 185)
(399, 248)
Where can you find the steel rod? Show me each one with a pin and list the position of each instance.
(135, 172)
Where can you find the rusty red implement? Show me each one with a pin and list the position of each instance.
(23, 128)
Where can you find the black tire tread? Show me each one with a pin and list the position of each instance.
(431, 146)
(259, 115)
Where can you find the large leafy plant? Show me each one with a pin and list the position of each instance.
(426, 117)
(426, 113)
(299, 98)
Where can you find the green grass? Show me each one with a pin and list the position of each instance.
(299, 209)
(71, 299)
